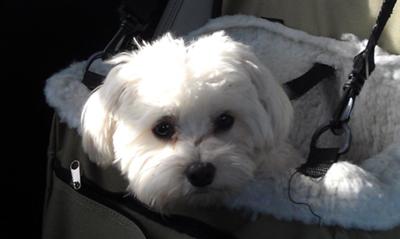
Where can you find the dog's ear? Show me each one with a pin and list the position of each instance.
(98, 118)
(271, 95)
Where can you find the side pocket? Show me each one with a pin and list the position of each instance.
(70, 215)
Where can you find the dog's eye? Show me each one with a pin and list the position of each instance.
(164, 129)
(223, 122)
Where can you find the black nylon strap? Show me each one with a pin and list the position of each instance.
(138, 19)
(299, 86)
(319, 161)
(91, 80)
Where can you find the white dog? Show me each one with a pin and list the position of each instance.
(205, 123)
(191, 123)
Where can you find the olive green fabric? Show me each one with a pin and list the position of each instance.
(325, 17)
(70, 215)
(66, 147)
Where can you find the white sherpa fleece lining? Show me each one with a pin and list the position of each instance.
(365, 196)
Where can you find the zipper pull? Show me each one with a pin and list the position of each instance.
(75, 174)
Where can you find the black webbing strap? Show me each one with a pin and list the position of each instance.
(91, 79)
(299, 86)
(320, 159)
(319, 162)
(138, 19)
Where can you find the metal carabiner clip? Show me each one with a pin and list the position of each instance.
(347, 134)
(346, 113)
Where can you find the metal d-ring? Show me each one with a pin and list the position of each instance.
(346, 130)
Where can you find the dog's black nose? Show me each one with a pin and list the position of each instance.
(200, 174)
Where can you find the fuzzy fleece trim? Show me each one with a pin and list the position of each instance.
(352, 196)
(65, 92)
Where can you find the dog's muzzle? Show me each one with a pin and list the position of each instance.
(200, 174)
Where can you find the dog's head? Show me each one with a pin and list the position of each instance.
(186, 122)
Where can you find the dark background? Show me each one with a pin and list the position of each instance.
(39, 39)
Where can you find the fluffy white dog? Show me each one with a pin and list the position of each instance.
(189, 123)
(205, 123)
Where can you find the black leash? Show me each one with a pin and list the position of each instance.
(321, 159)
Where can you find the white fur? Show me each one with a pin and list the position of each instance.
(289, 53)
(65, 92)
(194, 81)
(353, 196)
(214, 70)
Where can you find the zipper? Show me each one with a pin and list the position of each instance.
(75, 170)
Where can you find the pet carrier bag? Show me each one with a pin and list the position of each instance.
(84, 200)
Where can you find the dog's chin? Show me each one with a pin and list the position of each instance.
(195, 198)
(167, 197)
(208, 197)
